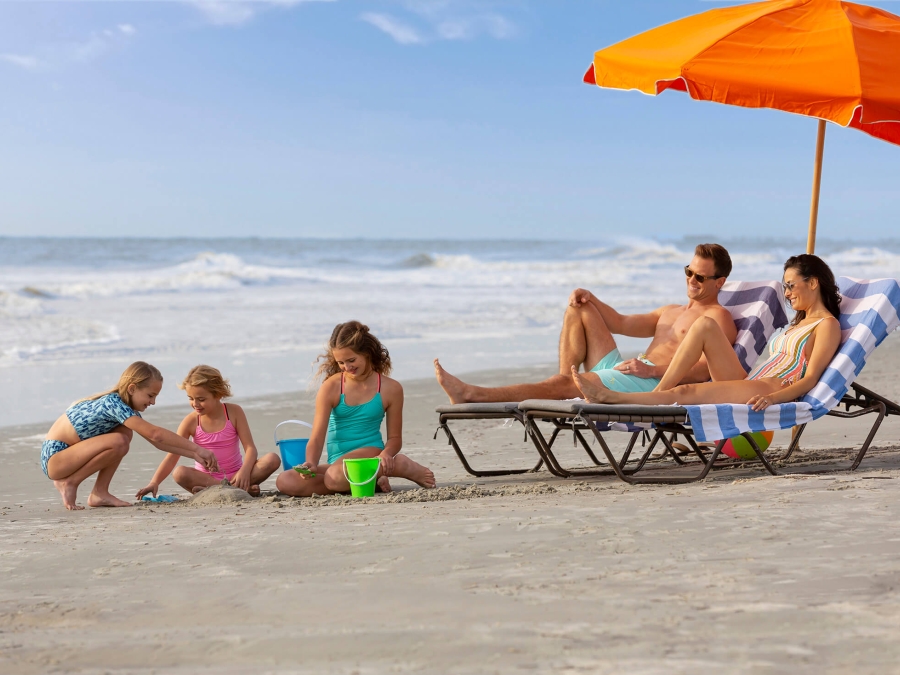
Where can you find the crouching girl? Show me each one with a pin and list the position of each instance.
(94, 434)
(355, 397)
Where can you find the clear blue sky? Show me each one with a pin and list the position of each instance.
(384, 118)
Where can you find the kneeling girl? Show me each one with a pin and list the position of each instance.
(355, 397)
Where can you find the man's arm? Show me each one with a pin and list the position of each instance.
(700, 371)
(632, 325)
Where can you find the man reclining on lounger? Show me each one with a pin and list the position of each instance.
(587, 340)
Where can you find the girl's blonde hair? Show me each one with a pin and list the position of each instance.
(210, 379)
(354, 336)
(138, 373)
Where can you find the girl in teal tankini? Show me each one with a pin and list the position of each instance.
(356, 396)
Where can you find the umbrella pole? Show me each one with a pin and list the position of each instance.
(814, 208)
(817, 183)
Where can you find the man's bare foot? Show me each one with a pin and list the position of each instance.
(454, 387)
(95, 500)
(69, 493)
(383, 484)
(254, 491)
(593, 391)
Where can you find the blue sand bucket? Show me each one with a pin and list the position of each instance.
(293, 450)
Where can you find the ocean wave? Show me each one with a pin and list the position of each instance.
(417, 261)
(206, 271)
(17, 304)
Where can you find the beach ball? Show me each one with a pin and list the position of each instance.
(739, 448)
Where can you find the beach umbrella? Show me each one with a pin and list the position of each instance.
(827, 59)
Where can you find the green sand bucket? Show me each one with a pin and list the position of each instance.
(361, 474)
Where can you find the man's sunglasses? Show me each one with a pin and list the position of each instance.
(688, 272)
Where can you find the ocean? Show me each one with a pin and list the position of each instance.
(75, 312)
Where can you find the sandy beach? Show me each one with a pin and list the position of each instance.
(742, 573)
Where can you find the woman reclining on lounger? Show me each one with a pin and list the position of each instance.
(797, 356)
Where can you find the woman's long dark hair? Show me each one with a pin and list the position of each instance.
(809, 266)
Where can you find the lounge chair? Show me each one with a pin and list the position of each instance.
(757, 309)
(869, 312)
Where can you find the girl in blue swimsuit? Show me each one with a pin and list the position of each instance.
(356, 396)
(93, 436)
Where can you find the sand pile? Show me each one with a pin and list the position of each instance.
(441, 494)
(219, 495)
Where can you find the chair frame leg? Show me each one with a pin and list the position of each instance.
(479, 473)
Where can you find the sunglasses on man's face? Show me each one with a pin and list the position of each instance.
(688, 272)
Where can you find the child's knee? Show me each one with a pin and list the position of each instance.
(120, 444)
(334, 477)
(286, 482)
(270, 461)
(180, 475)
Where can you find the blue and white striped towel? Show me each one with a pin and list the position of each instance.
(869, 312)
(757, 308)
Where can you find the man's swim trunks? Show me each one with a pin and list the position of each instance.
(616, 380)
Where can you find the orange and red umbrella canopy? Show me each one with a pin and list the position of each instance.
(833, 60)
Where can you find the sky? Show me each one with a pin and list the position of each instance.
(392, 119)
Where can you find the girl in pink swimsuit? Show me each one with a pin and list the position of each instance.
(218, 427)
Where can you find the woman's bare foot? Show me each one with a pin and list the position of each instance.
(383, 484)
(593, 391)
(69, 493)
(95, 500)
(454, 387)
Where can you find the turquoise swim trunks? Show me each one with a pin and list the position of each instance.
(616, 380)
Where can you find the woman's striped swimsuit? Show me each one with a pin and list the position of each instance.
(787, 358)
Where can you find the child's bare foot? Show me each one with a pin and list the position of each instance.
(454, 387)
(383, 484)
(254, 490)
(69, 493)
(593, 391)
(197, 488)
(423, 476)
(95, 500)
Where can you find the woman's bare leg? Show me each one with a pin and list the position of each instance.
(705, 338)
(733, 391)
(71, 467)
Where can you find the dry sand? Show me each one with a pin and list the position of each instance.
(743, 573)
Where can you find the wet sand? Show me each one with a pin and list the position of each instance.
(743, 573)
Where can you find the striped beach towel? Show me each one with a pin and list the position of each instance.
(869, 312)
(758, 311)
